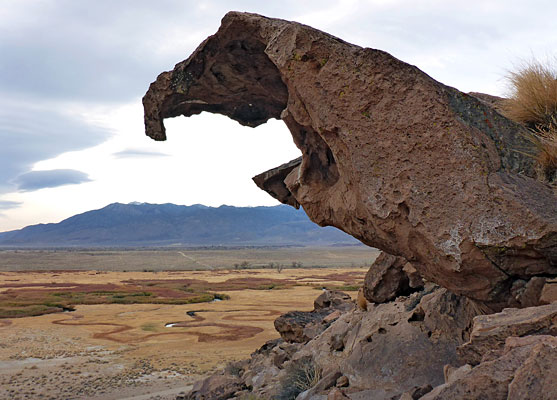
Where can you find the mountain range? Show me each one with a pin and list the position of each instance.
(152, 225)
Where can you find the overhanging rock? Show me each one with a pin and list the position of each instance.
(389, 155)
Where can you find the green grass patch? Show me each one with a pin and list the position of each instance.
(149, 327)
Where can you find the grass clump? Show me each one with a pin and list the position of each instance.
(533, 96)
(149, 327)
(301, 375)
(533, 102)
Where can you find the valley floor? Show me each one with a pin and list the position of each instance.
(146, 351)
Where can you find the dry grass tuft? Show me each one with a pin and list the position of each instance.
(533, 102)
(533, 97)
(301, 375)
(547, 146)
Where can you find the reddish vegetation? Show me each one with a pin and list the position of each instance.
(227, 333)
(27, 299)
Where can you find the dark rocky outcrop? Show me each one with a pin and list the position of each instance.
(302, 326)
(393, 348)
(389, 155)
(216, 387)
(333, 299)
(390, 277)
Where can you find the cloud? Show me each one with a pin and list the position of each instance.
(36, 180)
(101, 51)
(138, 153)
(7, 204)
(30, 133)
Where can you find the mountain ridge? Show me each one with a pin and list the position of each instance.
(152, 225)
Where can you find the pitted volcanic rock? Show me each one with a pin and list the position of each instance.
(389, 155)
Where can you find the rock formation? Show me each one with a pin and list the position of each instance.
(431, 345)
(302, 326)
(389, 155)
(393, 348)
(438, 179)
(390, 277)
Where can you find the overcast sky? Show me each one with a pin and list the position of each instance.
(72, 74)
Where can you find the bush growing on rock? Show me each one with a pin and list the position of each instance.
(533, 102)
(301, 375)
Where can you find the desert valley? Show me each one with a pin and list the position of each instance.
(407, 251)
(147, 335)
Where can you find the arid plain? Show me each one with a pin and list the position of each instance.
(147, 336)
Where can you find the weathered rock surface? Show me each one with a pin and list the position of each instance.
(496, 102)
(216, 387)
(406, 349)
(524, 371)
(335, 299)
(390, 349)
(489, 332)
(396, 346)
(549, 292)
(416, 393)
(302, 326)
(390, 277)
(389, 155)
(272, 182)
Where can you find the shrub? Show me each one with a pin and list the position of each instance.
(301, 375)
(533, 102)
(297, 264)
(533, 96)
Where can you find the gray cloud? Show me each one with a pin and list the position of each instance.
(7, 204)
(102, 51)
(29, 134)
(110, 50)
(107, 50)
(137, 153)
(36, 180)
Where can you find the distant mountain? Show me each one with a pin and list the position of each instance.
(143, 224)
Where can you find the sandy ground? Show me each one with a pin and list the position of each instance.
(126, 351)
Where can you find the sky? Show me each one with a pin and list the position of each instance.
(73, 72)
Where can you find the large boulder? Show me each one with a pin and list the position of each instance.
(389, 155)
(489, 332)
(390, 276)
(219, 386)
(302, 326)
(525, 370)
(333, 298)
(509, 355)
(393, 347)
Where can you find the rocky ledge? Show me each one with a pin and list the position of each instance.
(431, 344)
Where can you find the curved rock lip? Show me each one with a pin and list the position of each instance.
(389, 155)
